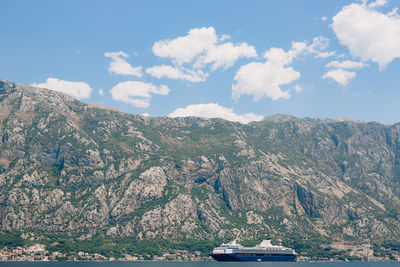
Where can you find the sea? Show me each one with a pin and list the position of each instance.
(199, 264)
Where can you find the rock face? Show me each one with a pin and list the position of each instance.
(67, 166)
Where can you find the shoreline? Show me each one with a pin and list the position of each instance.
(109, 261)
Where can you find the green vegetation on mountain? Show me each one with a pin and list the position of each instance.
(75, 175)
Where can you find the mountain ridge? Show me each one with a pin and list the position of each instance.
(71, 167)
(279, 116)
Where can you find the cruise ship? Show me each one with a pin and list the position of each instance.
(262, 252)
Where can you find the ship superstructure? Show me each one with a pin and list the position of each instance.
(265, 251)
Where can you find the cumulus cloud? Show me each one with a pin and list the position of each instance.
(224, 37)
(265, 79)
(298, 88)
(202, 46)
(339, 73)
(368, 33)
(324, 18)
(225, 55)
(79, 90)
(137, 93)
(378, 3)
(346, 64)
(185, 48)
(118, 65)
(101, 92)
(343, 77)
(214, 110)
(278, 56)
(177, 73)
(319, 47)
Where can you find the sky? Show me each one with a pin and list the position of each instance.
(237, 60)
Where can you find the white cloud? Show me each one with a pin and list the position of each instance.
(118, 65)
(265, 79)
(393, 12)
(319, 47)
(185, 48)
(101, 92)
(137, 93)
(225, 55)
(340, 76)
(177, 73)
(202, 46)
(279, 57)
(378, 3)
(298, 88)
(224, 37)
(324, 18)
(214, 110)
(346, 64)
(368, 33)
(79, 90)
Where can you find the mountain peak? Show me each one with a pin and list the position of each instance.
(280, 117)
(7, 86)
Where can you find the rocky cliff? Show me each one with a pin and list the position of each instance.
(68, 166)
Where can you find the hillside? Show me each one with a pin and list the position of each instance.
(68, 167)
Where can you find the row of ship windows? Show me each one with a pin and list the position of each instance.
(258, 255)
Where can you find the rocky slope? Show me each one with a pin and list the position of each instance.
(68, 166)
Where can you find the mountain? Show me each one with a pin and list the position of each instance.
(68, 167)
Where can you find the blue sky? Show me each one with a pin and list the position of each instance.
(237, 60)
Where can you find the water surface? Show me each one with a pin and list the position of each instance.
(200, 264)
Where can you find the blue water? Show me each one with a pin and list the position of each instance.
(199, 264)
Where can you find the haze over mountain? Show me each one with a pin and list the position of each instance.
(73, 167)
